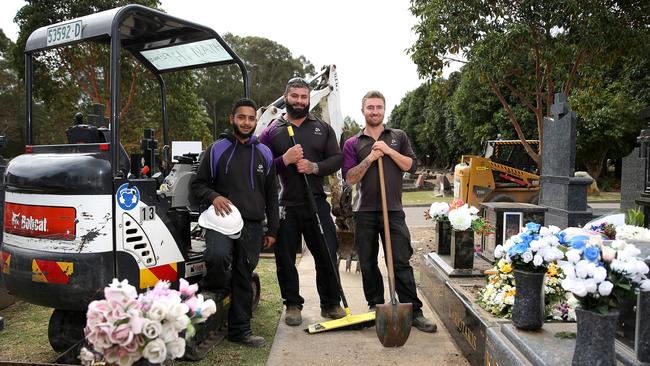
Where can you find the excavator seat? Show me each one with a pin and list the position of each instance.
(83, 134)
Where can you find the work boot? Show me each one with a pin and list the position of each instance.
(424, 324)
(292, 316)
(249, 341)
(334, 312)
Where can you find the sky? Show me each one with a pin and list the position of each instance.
(365, 39)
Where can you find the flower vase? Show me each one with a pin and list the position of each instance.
(462, 249)
(444, 237)
(528, 309)
(595, 338)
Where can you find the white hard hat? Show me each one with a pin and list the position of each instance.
(230, 224)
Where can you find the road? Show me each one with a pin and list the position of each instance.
(415, 215)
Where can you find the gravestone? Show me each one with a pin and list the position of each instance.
(632, 179)
(564, 195)
(643, 199)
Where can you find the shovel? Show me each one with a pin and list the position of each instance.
(393, 320)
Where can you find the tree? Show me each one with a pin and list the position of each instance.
(350, 128)
(71, 78)
(531, 49)
(270, 65)
(11, 100)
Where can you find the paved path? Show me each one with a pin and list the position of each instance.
(293, 347)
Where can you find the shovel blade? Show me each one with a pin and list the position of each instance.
(393, 323)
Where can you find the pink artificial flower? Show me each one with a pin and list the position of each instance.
(457, 202)
(192, 303)
(186, 289)
(121, 335)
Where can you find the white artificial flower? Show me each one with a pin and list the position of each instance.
(595, 240)
(573, 255)
(605, 288)
(175, 348)
(177, 310)
(590, 285)
(168, 333)
(158, 310)
(554, 229)
(645, 285)
(460, 218)
(617, 265)
(152, 329)
(155, 351)
(582, 269)
(527, 256)
(630, 267)
(535, 245)
(544, 231)
(473, 211)
(599, 274)
(538, 260)
(498, 251)
(208, 307)
(641, 267)
(608, 254)
(438, 209)
(579, 289)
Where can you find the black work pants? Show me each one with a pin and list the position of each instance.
(230, 265)
(296, 222)
(368, 227)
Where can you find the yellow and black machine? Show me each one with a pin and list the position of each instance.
(505, 173)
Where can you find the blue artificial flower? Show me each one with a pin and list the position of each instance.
(518, 249)
(533, 227)
(578, 244)
(591, 254)
(561, 237)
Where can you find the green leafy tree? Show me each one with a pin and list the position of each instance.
(269, 66)
(11, 100)
(531, 49)
(350, 128)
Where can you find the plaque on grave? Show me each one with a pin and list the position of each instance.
(507, 218)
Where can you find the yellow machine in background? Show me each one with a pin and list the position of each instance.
(505, 173)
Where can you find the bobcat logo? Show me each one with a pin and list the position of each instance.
(15, 219)
(393, 142)
(260, 168)
(317, 131)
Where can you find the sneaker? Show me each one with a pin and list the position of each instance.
(372, 308)
(250, 341)
(424, 324)
(292, 316)
(334, 312)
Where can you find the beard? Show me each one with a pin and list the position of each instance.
(373, 123)
(241, 134)
(297, 112)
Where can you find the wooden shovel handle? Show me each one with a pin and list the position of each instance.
(388, 246)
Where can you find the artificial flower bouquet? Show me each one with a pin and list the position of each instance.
(601, 274)
(125, 327)
(533, 249)
(498, 296)
(461, 216)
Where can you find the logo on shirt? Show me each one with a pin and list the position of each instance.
(317, 131)
(260, 168)
(393, 142)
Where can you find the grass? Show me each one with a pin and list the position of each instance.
(25, 335)
(427, 197)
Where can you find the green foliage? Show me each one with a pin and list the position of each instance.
(270, 65)
(11, 100)
(530, 49)
(635, 217)
(350, 128)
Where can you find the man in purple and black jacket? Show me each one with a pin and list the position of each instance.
(317, 155)
(238, 170)
(360, 152)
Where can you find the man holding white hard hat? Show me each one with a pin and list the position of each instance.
(237, 178)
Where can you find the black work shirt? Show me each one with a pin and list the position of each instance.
(319, 145)
(368, 196)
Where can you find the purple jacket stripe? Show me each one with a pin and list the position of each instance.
(218, 148)
(349, 155)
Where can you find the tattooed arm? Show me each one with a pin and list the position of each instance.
(355, 174)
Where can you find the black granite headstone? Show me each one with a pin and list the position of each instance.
(564, 195)
(632, 179)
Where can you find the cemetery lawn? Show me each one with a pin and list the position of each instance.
(428, 197)
(25, 335)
